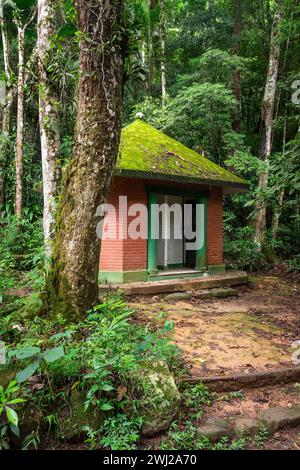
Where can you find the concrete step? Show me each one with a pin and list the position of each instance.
(230, 279)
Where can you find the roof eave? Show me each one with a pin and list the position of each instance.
(231, 187)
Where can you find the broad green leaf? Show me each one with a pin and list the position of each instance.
(15, 429)
(54, 354)
(12, 416)
(27, 372)
(28, 352)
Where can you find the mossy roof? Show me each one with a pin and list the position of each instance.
(148, 153)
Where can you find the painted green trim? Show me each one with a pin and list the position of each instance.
(174, 191)
(171, 266)
(122, 277)
(152, 228)
(216, 269)
(169, 277)
(201, 254)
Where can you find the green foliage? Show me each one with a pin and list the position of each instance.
(180, 437)
(261, 437)
(294, 264)
(9, 419)
(18, 244)
(97, 356)
(241, 251)
(202, 118)
(35, 354)
(224, 444)
(120, 432)
(194, 397)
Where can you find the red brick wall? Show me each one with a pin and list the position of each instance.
(130, 255)
(111, 257)
(214, 227)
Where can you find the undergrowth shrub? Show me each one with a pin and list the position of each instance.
(96, 356)
(240, 251)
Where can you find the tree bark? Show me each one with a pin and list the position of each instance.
(49, 122)
(20, 123)
(151, 5)
(5, 145)
(278, 210)
(267, 125)
(236, 76)
(162, 34)
(20, 111)
(6, 108)
(72, 286)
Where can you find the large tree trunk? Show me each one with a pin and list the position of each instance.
(73, 279)
(267, 124)
(49, 122)
(162, 35)
(20, 123)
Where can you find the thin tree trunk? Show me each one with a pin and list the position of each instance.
(267, 125)
(49, 122)
(20, 123)
(72, 286)
(278, 210)
(236, 76)
(162, 35)
(5, 45)
(6, 109)
(5, 145)
(20, 111)
(151, 5)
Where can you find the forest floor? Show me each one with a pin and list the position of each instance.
(254, 331)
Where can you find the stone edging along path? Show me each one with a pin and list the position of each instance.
(229, 383)
(273, 419)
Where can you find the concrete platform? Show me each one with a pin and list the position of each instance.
(228, 279)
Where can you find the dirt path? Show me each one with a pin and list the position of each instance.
(254, 331)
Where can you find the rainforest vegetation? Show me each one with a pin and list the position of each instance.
(222, 77)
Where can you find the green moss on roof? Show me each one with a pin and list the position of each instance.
(146, 150)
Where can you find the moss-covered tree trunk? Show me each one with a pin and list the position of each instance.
(72, 286)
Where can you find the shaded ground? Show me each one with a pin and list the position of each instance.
(254, 331)
(231, 406)
(251, 403)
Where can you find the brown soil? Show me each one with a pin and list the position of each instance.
(254, 331)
